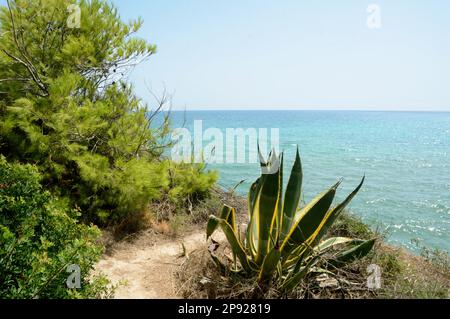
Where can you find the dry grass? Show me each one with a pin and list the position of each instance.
(199, 278)
(415, 276)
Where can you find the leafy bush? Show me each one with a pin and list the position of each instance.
(39, 238)
(187, 180)
(281, 240)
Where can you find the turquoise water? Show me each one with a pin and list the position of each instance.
(405, 156)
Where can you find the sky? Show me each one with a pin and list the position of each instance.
(293, 54)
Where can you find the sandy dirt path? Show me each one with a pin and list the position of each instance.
(147, 265)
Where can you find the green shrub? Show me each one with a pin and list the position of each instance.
(189, 181)
(350, 225)
(39, 238)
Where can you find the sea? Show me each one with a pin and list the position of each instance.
(405, 157)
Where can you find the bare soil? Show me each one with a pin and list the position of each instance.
(144, 267)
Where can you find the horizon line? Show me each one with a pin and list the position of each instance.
(310, 109)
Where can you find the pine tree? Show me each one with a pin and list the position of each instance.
(65, 105)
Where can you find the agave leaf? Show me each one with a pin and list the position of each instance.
(252, 238)
(270, 264)
(211, 227)
(308, 221)
(271, 157)
(301, 269)
(296, 277)
(236, 246)
(228, 213)
(252, 228)
(332, 242)
(330, 218)
(262, 160)
(352, 254)
(334, 213)
(298, 253)
(266, 208)
(253, 195)
(280, 269)
(292, 196)
(299, 263)
(278, 217)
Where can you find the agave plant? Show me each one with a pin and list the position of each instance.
(283, 239)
